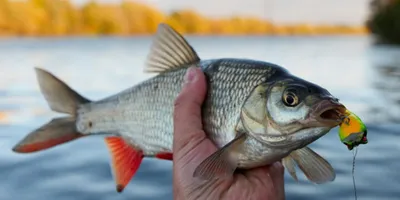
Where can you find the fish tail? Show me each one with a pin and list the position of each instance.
(60, 98)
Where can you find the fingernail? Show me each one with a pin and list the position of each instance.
(278, 166)
(190, 75)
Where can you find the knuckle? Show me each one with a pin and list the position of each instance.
(178, 101)
(181, 99)
(178, 104)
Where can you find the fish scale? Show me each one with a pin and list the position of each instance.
(255, 112)
(225, 97)
(152, 101)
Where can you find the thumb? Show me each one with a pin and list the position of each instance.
(190, 144)
(188, 126)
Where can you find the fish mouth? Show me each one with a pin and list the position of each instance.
(330, 113)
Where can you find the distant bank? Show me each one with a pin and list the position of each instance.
(384, 22)
(61, 18)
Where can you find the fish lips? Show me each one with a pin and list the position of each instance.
(328, 113)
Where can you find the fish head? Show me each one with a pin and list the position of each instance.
(291, 111)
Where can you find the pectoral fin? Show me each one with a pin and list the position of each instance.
(289, 164)
(316, 168)
(222, 163)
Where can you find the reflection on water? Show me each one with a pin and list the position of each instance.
(385, 80)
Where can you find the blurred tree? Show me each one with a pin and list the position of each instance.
(303, 29)
(141, 19)
(4, 17)
(256, 26)
(90, 22)
(384, 22)
(174, 23)
(239, 25)
(60, 17)
(23, 19)
(221, 26)
(191, 22)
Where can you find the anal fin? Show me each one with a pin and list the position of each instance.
(315, 167)
(125, 161)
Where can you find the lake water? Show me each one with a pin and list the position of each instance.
(365, 78)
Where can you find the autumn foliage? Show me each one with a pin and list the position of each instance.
(60, 17)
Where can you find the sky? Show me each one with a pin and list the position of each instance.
(349, 12)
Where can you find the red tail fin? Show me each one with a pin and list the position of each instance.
(56, 132)
(61, 98)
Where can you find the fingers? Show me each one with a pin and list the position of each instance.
(271, 177)
(190, 144)
(277, 175)
(188, 126)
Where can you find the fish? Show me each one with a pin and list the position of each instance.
(255, 112)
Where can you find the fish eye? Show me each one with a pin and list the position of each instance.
(290, 98)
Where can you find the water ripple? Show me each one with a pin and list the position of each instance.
(100, 67)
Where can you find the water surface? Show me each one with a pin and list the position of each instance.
(365, 78)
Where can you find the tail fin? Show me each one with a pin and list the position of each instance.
(60, 98)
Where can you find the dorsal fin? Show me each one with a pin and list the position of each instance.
(169, 50)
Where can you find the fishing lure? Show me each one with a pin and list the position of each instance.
(352, 131)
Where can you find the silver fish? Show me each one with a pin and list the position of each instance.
(255, 112)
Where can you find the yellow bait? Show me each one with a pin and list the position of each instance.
(352, 131)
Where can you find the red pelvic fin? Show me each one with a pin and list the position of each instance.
(125, 161)
(164, 155)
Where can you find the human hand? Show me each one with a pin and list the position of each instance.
(191, 146)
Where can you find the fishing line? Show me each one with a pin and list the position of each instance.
(352, 172)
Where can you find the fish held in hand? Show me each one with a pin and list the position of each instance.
(255, 112)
